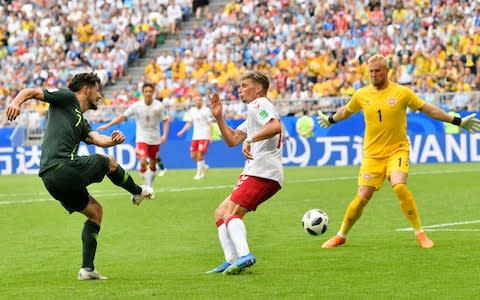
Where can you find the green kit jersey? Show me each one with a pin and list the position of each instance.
(65, 128)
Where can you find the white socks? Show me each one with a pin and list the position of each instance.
(227, 244)
(238, 235)
(200, 167)
(148, 177)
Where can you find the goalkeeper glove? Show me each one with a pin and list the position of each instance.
(471, 123)
(324, 120)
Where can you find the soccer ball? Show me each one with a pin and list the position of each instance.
(315, 221)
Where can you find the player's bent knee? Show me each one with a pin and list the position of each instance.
(94, 212)
(98, 214)
(112, 163)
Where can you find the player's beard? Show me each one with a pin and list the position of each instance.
(92, 104)
(378, 83)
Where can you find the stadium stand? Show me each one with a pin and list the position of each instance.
(314, 51)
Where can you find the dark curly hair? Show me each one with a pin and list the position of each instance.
(83, 79)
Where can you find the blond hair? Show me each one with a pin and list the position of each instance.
(258, 77)
(378, 57)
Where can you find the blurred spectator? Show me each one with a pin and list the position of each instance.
(312, 50)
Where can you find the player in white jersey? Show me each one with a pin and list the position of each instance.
(148, 114)
(261, 138)
(201, 119)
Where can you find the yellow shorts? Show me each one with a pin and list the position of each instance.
(374, 171)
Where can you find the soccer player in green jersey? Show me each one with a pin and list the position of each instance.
(386, 146)
(67, 175)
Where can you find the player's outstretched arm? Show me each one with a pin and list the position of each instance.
(184, 128)
(327, 121)
(119, 119)
(470, 123)
(13, 109)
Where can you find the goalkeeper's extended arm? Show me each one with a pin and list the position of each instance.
(471, 123)
(326, 121)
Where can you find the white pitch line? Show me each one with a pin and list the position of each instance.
(432, 227)
(212, 187)
(100, 193)
(26, 201)
(455, 230)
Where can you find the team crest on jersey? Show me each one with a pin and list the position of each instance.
(392, 101)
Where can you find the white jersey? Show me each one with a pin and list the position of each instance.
(147, 119)
(267, 154)
(201, 120)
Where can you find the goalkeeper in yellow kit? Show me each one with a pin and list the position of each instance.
(386, 147)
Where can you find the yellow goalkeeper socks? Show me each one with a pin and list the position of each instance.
(407, 203)
(353, 213)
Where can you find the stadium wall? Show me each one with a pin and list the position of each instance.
(339, 145)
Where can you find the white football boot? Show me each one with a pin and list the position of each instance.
(84, 274)
(147, 193)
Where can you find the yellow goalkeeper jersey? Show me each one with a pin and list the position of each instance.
(385, 114)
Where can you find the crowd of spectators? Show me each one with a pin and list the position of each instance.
(46, 42)
(312, 50)
(317, 50)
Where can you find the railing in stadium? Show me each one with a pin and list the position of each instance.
(236, 109)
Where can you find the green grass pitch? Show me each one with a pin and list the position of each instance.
(163, 248)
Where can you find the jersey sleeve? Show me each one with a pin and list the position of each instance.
(354, 104)
(414, 102)
(163, 111)
(242, 127)
(59, 96)
(265, 112)
(130, 111)
(86, 129)
(164, 114)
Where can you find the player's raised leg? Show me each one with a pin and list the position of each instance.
(123, 179)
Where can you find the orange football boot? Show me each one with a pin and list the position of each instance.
(333, 242)
(423, 240)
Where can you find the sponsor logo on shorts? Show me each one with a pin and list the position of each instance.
(367, 176)
(240, 181)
